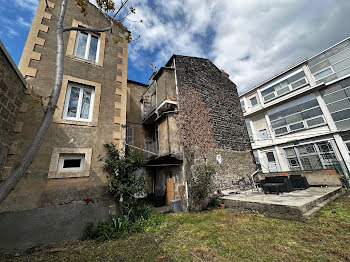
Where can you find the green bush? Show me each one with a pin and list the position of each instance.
(120, 226)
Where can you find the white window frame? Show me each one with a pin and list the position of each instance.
(261, 132)
(289, 85)
(317, 152)
(63, 157)
(320, 71)
(87, 47)
(66, 102)
(306, 126)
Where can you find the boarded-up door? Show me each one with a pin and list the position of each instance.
(170, 194)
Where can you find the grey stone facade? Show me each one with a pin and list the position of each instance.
(220, 95)
(12, 87)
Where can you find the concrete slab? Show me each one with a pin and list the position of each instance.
(291, 205)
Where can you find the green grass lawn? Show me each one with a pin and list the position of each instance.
(221, 235)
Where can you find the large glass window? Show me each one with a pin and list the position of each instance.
(284, 86)
(319, 155)
(87, 46)
(79, 102)
(337, 99)
(331, 64)
(305, 115)
(253, 101)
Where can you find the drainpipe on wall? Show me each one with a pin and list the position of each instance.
(176, 88)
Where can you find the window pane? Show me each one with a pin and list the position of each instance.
(253, 101)
(280, 131)
(291, 110)
(290, 152)
(294, 118)
(293, 162)
(268, 91)
(296, 126)
(270, 157)
(283, 90)
(317, 59)
(341, 115)
(269, 97)
(330, 89)
(339, 57)
(335, 97)
(296, 77)
(324, 147)
(315, 121)
(263, 134)
(73, 102)
(276, 116)
(312, 113)
(307, 149)
(323, 65)
(93, 48)
(341, 65)
(323, 74)
(343, 125)
(278, 123)
(311, 162)
(340, 105)
(327, 79)
(81, 47)
(308, 104)
(70, 163)
(299, 83)
(85, 105)
(343, 72)
(345, 83)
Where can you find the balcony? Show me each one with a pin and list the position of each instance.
(151, 146)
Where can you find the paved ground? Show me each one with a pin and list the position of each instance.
(296, 198)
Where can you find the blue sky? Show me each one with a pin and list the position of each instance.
(251, 40)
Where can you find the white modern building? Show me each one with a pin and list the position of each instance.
(300, 118)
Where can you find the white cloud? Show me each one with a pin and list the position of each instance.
(27, 4)
(251, 40)
(23, 22)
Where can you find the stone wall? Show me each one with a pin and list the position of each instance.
(12, 89)
(220, 95)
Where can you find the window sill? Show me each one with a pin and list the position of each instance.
(75, 123)
(58, 174)
(82, 60)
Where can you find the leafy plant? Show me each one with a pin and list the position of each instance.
(202, 186)
(125, 184)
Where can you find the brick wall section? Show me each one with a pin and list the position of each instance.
(220, 95)
(11, 94)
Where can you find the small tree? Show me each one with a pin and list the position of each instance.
(124, 182)
(110, 12)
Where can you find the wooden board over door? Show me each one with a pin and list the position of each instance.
(170, 193)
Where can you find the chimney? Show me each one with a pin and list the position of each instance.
(224, 73)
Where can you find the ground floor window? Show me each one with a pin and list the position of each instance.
(346, 139)
(318, 155)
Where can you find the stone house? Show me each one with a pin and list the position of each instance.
(12, 88)
(170, 168)
(91, 111)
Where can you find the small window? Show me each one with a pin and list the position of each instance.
(263, 134)
(253, 101)
(130, 135)
(79, 103)
(243, 106)
(87, 46)
(270, 157)
(71, 162)
(326, 72)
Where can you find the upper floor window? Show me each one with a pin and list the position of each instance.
(130, 135)
(304, 115)
(79, 101)
(253, 101)
(87, 46)
(346, 139)
(263, 134)
(337, 99)
(332, 63)
(284, 86)
(243, 106)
